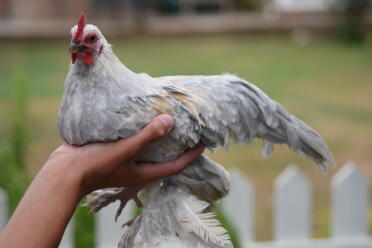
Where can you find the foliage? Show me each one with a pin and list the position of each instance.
(249, 4)
(350, 27)
(169, 6)
(18, 137)
(14, 178)
(84, 228)
(229, 227)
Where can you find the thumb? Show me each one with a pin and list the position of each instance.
(152, 132)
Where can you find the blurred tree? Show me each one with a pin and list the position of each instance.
(169, 6)
(207, 6)
(249, 4)
(229, 227)
(13, 174)
(18, 137)
(84, 228)
(351, 23)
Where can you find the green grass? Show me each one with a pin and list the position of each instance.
(326, 84)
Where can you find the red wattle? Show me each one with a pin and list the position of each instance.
(88, 59)
(73, 57)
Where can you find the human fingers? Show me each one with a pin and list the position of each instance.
(148, 172)
(127, 150)
(133, 146)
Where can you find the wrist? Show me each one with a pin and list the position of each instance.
(65, 175)
(52, 197)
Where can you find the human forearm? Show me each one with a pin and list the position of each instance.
(72, 172)
(42, 215)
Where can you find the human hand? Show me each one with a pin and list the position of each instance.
(72, 172)
(113, 164)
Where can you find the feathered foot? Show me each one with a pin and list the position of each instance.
(103, 197)
(126, 195)
(128, 223)
(173, 212)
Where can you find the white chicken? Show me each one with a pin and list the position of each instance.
(105, 101)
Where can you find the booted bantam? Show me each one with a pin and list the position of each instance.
(105, 101)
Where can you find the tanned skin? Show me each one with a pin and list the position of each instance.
(72, 172)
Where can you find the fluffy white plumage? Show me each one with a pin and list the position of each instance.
(104, 100)
(193, 220)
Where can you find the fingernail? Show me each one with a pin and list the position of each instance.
(167, 121)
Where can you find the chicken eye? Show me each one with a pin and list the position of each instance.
(91, 38)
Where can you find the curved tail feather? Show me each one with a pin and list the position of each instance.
(299, 137)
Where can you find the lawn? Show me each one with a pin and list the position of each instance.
(328, 85)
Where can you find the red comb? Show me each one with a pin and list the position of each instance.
(81, 25)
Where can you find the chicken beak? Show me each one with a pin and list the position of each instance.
(74, 47)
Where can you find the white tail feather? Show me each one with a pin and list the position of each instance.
(202, 224)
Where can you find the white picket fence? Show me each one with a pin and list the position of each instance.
(292, 213)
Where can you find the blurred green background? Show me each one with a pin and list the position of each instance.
(326, 80)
